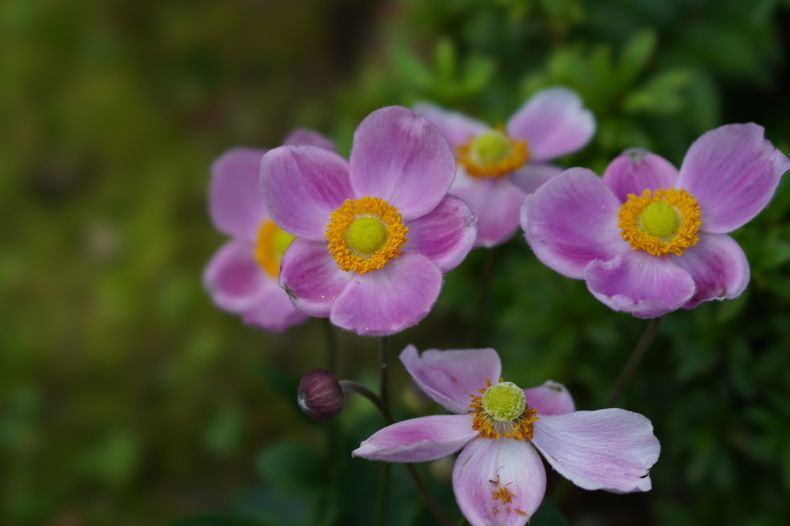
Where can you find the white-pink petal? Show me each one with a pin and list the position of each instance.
(272, 310)
(234, 199)
(496, 202)
(551, 398)
(445, 235)
(456, 127)
(302, 136)
(233, 277)
(532, 176)
(634, 171)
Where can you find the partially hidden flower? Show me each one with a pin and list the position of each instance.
(498, 166)
(373, 234)
(649, 239)
(242, 275)
(499, 478)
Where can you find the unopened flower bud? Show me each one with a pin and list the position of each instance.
(320, 395)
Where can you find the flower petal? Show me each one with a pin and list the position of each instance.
(402, 158)
(554, 122)
(234, 198)
(418, 439)
(496, 202)
(273, 310)
(449, 377)
(532, 176)
(456, 127)
(572, 220)
(611, 449)
(718, 267)
(733, 172)
(485, 467)
(311, 277)
(640, 283)
(389, 299)
(551, 398)
(233, 277)
(301, 186)
(635, 170)
(302, 136)
(445, 235)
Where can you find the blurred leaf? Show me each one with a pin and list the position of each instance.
(635, 55)
(292, 467)
(660, 94)
(218, 520)
(548, 515)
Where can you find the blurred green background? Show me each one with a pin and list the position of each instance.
(127, 398)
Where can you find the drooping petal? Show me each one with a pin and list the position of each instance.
(389, 299)
(449, 377)
(419, 439)
(718, 267)
(634, 171)
(301, 136)
(554, 122)
(572, 220)
(445, 235)
(496, 203)
(532, 176)
(233, 277)
(301, 186)
(498, 482)
(611, 449)
(311, 277)
(402, 158)
(456, 127)
(234, 199)
(733, 172)
(272, 310)
(551, 398)
(640, 283)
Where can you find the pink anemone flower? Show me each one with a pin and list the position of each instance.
(373, 234)
(648, 239)
(498, 478)
(497, 167)
(242, 276)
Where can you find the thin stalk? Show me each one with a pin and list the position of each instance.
(633, 361)
(476, 336)
(331, 346)
(384, 382)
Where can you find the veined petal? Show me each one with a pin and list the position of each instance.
(554, 122)
(640, 283)
(532, 176)
(456, 127)
(718, 267)
(402, 158)
(634, 171)
(311, 277)
(498, 482)
(551, 398)
(302, 136)
(234, 198)
(301, 186)
(496, 202)
(389, 299)
(732, 172)
(449, 377)
(572, 220)
(611, 449)
(418, 439)
(445, 235)
(233, 277)
(272, 310)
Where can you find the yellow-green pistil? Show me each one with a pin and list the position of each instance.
(659, 219)
(490, 147)
(504, 401)
(366, 235)
(502, 411)
(492, 153)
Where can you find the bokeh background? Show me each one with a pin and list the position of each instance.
(127, 398)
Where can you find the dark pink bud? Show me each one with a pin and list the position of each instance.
(320, 395)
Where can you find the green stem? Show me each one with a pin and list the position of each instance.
(384, 375)
(331, 346)
(633, 361)
(482, 297)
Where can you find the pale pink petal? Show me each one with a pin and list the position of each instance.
(572, 220)
(233, 277)
(718, 267)
(449, 377)
(402, 158)
(301, 136)
(272, 310)
(456, 127)
(611, 449)
(484, 467)
(389, 299)
(311, 277)
(532, 176)
(554, 122)
(234, 199)
(445, 235)
(635, 170)
(496, 202)
(733, 172)
(640, 283)
(551, 398)
(301, 186)
(418, 439)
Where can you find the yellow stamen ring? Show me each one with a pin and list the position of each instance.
(365, 233)
(662, 223)
(493, 415)
(492, 154)
(270, 246)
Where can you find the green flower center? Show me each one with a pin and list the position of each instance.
(504, 401)
(659, 219)
(281, 240)
(490, 147)
(366, 235)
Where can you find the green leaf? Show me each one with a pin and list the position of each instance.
(217, 520)
(635, 55)
(291, 467)
(548, 515)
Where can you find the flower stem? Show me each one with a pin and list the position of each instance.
(331, 346)
(384, 375)
(633, 361)
(476, 336)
